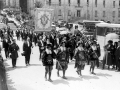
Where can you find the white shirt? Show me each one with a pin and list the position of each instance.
(28, 43)
(94, 47)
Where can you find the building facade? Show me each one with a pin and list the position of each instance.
(73, 10)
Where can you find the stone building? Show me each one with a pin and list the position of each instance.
(72, 10)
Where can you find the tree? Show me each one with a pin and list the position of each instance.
(38, 4)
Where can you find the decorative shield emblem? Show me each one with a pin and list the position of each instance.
(43, 20)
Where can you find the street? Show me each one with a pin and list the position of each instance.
(32, 77)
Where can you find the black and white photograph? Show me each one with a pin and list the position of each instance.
(59, 44)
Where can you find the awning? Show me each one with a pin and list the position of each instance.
(108, 25)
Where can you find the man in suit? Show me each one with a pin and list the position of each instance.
(6, 47)
(117, 56)
(14, 52)
(41, 46)
(27, 45)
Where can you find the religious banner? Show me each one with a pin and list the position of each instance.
(43, 19)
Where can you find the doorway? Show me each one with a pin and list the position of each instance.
(23, 5)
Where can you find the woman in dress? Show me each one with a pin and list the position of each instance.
(80, 58)
(109, 54)
(62, 59)
(47, 60)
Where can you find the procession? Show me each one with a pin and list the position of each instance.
(62, 49)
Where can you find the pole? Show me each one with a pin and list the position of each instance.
(92, 9)
(64, 9)
(87, 12)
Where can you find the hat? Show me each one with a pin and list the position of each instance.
(49, 45)
(110, 41)
(94, 42)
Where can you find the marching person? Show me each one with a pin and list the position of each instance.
(98, 53)
(93, 57)
(27, 45)
(47, 60)
(14, 52)
(80, 58)
(62, 59)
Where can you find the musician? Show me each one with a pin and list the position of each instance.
(62, 59)
(98, 52)
(93, 57)
(80, 58)
(71, 44)
(109, 54)
(47, 61)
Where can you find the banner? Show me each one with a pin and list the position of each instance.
(43, 19)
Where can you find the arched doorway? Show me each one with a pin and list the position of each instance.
(23, 5)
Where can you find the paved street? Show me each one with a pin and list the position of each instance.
(32, 77)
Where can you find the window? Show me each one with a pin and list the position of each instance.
(69, 13)
(104, 3)
(59, 2)
(104, 14)
(96, 3)
(78, 13)
(78, 2)
(69, 2)
(113, 14)
(88, 3)
(118, 13)
(59, 13)
(49, 2)
(96, 14)
(113, 4)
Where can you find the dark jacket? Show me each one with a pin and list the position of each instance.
(13, 50)
(47, 59)
(117, 53)
(26, 48)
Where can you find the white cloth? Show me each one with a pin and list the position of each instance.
(94, 47)
(28, 43)
(63, 48)
(80, 48)
(48, 51)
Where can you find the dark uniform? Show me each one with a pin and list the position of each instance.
(14, 54)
